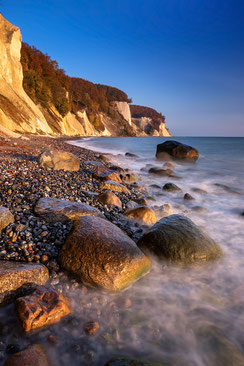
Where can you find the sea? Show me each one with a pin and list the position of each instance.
(192, 316)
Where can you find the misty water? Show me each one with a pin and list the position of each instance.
(182, 316)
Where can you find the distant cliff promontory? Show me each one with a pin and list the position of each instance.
(36, 96)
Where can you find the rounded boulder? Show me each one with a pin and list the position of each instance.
(57, 160)
(99, 254)
(177, 238)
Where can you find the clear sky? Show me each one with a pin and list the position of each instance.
(184, 58)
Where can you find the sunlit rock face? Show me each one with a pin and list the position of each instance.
(124, 109)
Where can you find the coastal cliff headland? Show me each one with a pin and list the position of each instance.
(37, 97)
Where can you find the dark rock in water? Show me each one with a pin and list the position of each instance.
(104, 158)
(6, 217)
(156, 186)
(14, 275)
(227, 188)
(43, 307)
(57, 160)
(142, 214)
(32, 355)
(171, 187)
(114, 186)
(142, 201)
(177, 238)
(217, 349)
(160, 171)
(110, 199)
(130, 155)
(169, 165)
(177, 150)
(98, 253)
(91, 327)
(199, 191)
(54, 210)
(200, 209)
(188, 197)
(117, 169)
(242, 214)
(124, 361)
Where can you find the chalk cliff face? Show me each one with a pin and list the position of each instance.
(124, 109)
(17, 110)
(19, 113)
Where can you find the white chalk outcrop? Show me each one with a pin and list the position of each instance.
(124, 109)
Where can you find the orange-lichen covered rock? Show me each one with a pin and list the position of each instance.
(44, 306)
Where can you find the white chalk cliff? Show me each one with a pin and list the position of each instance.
(18, 112)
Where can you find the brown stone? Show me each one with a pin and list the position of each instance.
(99, 254)
(53, 210)
(113, 186)
(103, 173)
(6, 217)
(109, 198)
(13, 275)
(57, 160)
(142, 214)
(44, 306)
(32, 355)
(91, 327)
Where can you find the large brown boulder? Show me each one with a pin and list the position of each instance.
(177, 238)
(110, 199)
(44, 306)
(32, 355)
(177, 150)
(99, 254)
(142, 214)
(53, 210)
(15, 275)
(52, 159)
(5, 217)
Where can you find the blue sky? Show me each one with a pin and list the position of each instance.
(184, 58)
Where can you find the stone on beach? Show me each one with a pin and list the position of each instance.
(6, 217)
(57, 160)
(114, 186)
(13, 275)
(110, 199)
(32, 355)
(160, 171)
(177, 238)
(44, 306)
(177, 150)
(142, 214)
(99, 254)
(188, 197)
(53, 210)
(171, 187)
(103, 173)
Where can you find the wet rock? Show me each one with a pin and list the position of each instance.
(128, 178)
(177, 150)
(160, 171)
(142, 214)
(101, 255)
(199, 191)
(91, 327)
(5, 217)
(164, 210)
(110, 199)
(200, 209)
(169, 165)
(130, 155)
(32, 355)
(124, 361)
(131, 204)
(104, 158)
(113, 186)
(14, 275)
(171, 187)
(44, 306)
(177, 238)
(188, 197)
(227, 188)
(242, 213)
(57, 160)
(56, 210)
(142, 201)
(103, 173)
